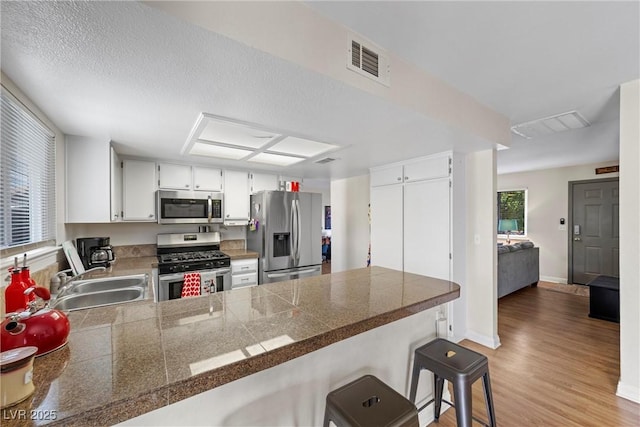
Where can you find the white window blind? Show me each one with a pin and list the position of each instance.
(27, 176)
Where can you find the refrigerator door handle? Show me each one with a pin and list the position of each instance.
(292, 240)
(298, 227)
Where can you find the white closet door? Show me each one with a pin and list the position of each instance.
(426, 228)
(386, 226)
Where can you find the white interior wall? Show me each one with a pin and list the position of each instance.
(480, 285)
(629, 385)
(547, 202)
(349, 223)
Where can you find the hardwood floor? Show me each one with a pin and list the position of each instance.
(326, 267)
(556, 366)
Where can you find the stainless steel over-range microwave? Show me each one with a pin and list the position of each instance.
(189, 207)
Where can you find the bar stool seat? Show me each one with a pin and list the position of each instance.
(459, 365)
(368, 401)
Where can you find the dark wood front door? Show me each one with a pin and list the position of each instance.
(594, 233)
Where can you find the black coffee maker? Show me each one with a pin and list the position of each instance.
(95, 252)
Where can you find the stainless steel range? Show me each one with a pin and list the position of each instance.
(181, 254)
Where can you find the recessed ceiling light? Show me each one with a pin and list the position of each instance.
(301, 147)
(235, 134)
(220, 151)
(275, 159)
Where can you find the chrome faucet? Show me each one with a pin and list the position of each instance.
(66, 282)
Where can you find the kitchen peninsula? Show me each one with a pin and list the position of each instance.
(267, 353)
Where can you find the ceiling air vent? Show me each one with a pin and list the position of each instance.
(367, 59)
(549, 125)
(325, 160)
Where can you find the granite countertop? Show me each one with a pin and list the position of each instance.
(240, 254)
(125, 360)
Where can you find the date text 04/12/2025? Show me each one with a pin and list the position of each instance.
(24, 414)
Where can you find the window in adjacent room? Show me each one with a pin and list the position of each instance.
(27, 176)
(512, 213)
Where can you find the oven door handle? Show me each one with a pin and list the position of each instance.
(178, 276)
(170, 277)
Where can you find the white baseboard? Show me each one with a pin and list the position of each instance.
(552, 279)
(628, 392)
(491, 342)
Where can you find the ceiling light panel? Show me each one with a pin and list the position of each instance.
(301, 147)
(219, 151)
(275, 159)
(236, 134)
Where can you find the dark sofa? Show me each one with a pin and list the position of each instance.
(518, 267)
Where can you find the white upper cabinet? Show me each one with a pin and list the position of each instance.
(386, 175)
(90, 196)
(236, 197)
(427, 168)
(263, 182)
(187, 178)
(207, 179)
(174, 177)
(432, 167)
(139, 190)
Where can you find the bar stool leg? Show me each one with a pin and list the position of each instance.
(326, 418)
(488, 398)
(438, 386)
(462, 394)
(414, 380)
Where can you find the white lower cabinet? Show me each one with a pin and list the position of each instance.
(244, 272)
(139, 190)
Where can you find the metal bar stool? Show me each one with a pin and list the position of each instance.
(461, 366)
(368, 401)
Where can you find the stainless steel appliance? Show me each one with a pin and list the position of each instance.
(189, 207)
(191, 253)
(285, 229)
(95, 252)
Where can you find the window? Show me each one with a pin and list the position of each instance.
(512, 212)
(27, 176)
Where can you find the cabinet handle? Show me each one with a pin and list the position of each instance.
(198, 186)
(406, 178)
(186, 186)
(150, 215)
(399, 178)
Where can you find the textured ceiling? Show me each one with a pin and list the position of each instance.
(140, 77)
(526, 60)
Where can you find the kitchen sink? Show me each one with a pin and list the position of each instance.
(109, 283)
(79, 301)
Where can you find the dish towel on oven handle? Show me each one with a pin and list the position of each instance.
(191, 286)
(208, 281)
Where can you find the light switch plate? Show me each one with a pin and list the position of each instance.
(562, 227)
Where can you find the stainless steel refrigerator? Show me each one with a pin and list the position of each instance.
(285, 229)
